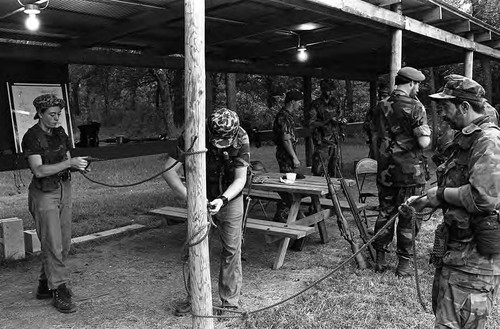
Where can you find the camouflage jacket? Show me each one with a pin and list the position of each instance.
(221, 163)
(326, 112)
(398, 122)
(284, 123)
(475, 156)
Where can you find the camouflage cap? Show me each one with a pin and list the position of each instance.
(458, 86)
(45, 101)
(223, 126)
(411, 73)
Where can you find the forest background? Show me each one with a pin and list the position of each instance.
(149, 103)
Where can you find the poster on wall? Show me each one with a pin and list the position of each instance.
(21, 96)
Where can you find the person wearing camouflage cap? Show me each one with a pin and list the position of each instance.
(466, 254)
(286, 146)
(399, 135)
(327, 124)
(46, 147)
(227, 162)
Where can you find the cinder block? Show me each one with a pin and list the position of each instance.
(31, 242)
(11, 238)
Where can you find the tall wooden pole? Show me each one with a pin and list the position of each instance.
(469, 59)
(307, 83)
(488, 79)
(396, 50)
(199, 262)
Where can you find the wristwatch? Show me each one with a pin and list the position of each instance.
(440, 194)
(224, 200)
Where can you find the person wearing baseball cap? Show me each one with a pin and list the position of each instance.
(46, 147)
(286, 144)
(467, 244)
(399, 135)
(227, 162)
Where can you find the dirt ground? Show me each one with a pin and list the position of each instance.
(134, 281)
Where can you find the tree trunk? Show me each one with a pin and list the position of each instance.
(231, 91)
(163, 100)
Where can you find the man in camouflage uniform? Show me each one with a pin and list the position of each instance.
(326, 123)
(400, 133)
(228, 158)
(382, 92)
(467, 275)
(286, 143)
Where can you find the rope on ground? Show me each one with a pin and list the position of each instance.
(183, 154)
(245, 314)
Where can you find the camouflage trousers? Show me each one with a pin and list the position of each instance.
(462, 300)
(329, 153)
(390, 198)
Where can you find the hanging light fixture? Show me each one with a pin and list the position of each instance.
(32, 22)
(32, 10)
(302, 54)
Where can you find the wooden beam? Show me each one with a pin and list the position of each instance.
(469, 59)
(431, 15)
(369, 12)
(482, 37)
(396, 52)
(459, 27)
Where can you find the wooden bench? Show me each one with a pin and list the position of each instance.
(325, 202)
(177, 215)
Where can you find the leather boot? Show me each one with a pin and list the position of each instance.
(381, 263)
(61, 299)
(404, 269)
(43, 292)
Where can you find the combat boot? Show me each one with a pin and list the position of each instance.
(404, 269)
(381, 263)
(43, 291)
(183, 308)
(61, 299)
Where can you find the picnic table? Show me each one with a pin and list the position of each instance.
(310, 191)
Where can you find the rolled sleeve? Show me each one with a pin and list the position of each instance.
(423, 130)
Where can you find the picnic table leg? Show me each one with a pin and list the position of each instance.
(292, 217)
(321, 225)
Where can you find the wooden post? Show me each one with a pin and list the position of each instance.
(307, 83)
(434, 116)
(396, 50)
(488, 79)
(199, 261)
(373, 94)
(469, 59)
(231, 91)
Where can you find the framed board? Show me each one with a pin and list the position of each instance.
(21, 96)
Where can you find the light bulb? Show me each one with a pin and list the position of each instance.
(32, 22)
(302, 54)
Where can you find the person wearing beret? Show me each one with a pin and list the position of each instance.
(466, 252)
(286, 144)
(400, 134)
(227, 163)
(46, 147)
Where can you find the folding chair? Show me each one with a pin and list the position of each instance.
(366, 181)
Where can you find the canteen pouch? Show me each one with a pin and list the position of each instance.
(487, 233)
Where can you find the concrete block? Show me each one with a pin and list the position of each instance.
(11, 238)
(31, 242)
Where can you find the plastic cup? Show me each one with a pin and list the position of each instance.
(291, 177)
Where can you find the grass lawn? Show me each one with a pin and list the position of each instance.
(350, 298)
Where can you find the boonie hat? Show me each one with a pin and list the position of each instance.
(45, 101)
(223, 125)
(458, 86)
(411, 73)
(293, 95)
